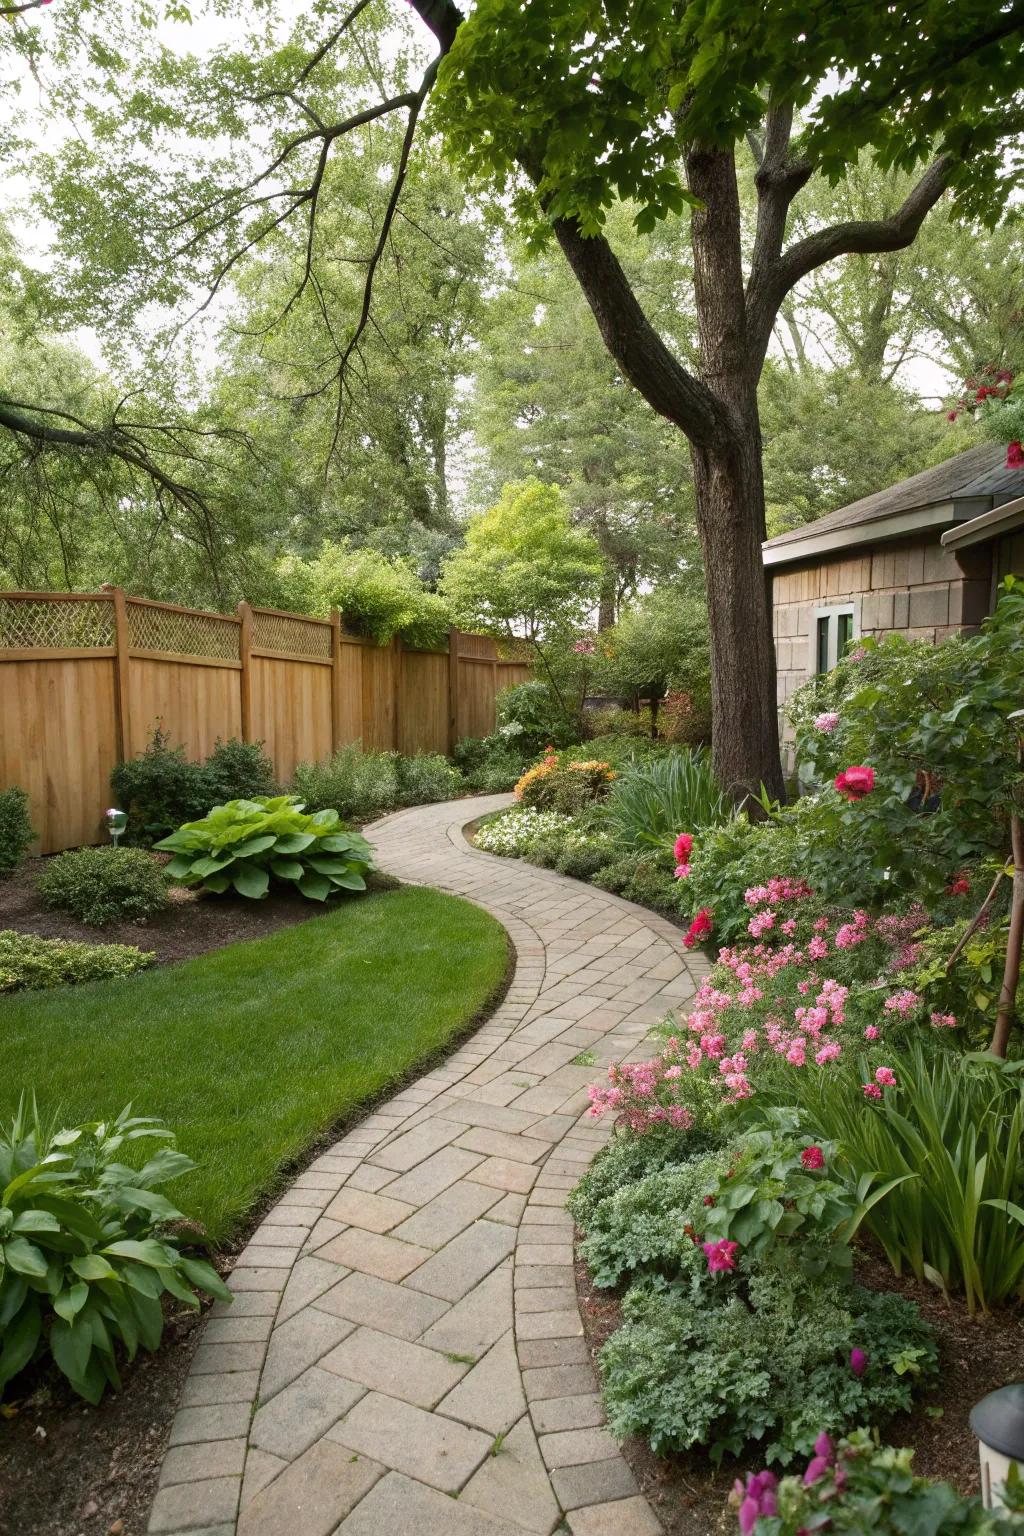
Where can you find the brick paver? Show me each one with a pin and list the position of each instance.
(405, 1352)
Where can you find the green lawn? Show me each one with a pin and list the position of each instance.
(249, 1052)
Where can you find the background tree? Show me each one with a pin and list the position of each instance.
(660, 644)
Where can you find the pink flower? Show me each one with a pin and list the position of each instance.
(871, 1091)
(812, 1157)
(944, 1020)
(721, 1256)
(858, 1362)
(826, 722)
(872, 1032)
(886, 1077)
(683, 847)
(903, 1003)
(682, 871)
(699, 928)
(755, 1499)
(1014, 456)
(855, 782)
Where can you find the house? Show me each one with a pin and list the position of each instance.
(922, 559)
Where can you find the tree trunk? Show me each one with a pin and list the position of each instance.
(729, 483)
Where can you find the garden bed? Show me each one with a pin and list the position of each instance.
(193, 924)
(976, 1356)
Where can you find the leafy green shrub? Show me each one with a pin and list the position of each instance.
(427, 777)
(583, 854)
(641, 1227)
(85, 1257)
(238, 770)
(864, 1486)
(246, 842)
(378, 597)
(627, 1159)
(771, 1367)
(161, 787)
(16, 831)
(650, 805)
(530, 714)
(492, 764)
(613, 720)
(358, 785)
(31, 963)
(105, 885)
(952, 1128)
(646, 879)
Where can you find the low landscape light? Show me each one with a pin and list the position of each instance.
(998, 1422)
(116, 823)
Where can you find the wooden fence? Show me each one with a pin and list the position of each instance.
(85, 677)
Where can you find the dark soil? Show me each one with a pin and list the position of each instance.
(193, 924)
(976, 1355)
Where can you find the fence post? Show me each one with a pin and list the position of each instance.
(245, 675)
(453, 689)
(396, 708)
(121, 663)
(336, 679)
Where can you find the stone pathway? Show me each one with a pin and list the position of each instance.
(404, 1355)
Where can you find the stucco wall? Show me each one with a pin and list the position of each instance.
(913, 586)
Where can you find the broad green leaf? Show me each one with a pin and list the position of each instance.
(250, 881)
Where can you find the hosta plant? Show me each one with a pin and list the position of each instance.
(85, 1254)
(245, 844)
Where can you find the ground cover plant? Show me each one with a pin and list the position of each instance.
(362, 785)
(252, 1051)
(160, 788)
(105, 885)
(32, 963)
(86, 1250)
(245, 844)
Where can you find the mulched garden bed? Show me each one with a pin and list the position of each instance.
(976, 1355)
(193, 924)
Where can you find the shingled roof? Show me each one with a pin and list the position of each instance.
(951, 492)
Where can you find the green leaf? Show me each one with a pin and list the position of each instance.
(25, 1258)
(287, 869)
(205, 1278)
(316, 887)
(20, 1340)
(68, 1303)
(89, 1266)
(252, 882)
(147, 1251)
(71, 1345)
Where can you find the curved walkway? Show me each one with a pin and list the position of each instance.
(404, 1353)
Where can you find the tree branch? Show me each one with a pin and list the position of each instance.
(773, 279)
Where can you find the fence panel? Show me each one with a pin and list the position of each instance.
(85, 678)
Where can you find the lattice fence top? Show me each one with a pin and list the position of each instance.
(184, 634)
(299, 637)
(27, 623)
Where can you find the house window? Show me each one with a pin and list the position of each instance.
(833, 633)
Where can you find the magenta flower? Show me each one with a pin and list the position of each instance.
(871, 1091)
(886, 1077)
(683, 847)
(682, 871)
(826, 722)
(812, 1157)
(858, 1362)
(721, 1256)
(855, 782)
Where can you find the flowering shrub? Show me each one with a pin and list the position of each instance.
(514, 833)
(567, 786)
(857, 1486)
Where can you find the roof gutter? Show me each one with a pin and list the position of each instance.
(919, 520)
(989, 525)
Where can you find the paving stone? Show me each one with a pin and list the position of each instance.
(205, 1459)
(546, 1298)
(493, 1116)
(322, 1233)
(379, 1304)
(308, 1280)
(571, 1447)
(622, 1517)
(386, 1364)
(448, 1214)
(435, 1174)
(227, 1357)
(491, 1396)
(277, 1235)
(298, 1344)
(311, 1495)
(221, 1387)
(218, 1421)
(244, 1278)
(292, 1215)
(301, 1412)
(514, 1484)
(534, 1275)
(367, 1177)
(186, 1506)
(509, 1210)
(549, 1325)
(423, 1445)
(260, 1469)
(581, 1412)
(557, 1381)
(373, 1213)
(263, 1257)
(373, 1254)
(416, 1145)
(238, 1330)
(543, 1253)
(474, 1323)
(524, 1149)
(541, 1352)
(463, 1262)
(593, 1482)
(398, 1506)
(503, 1173)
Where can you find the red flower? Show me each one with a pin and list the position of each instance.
(812, 1157)
(682, 847)
(709, 1199)
(951, 416)
(1015, 456)
(961, 886)
(855, 782)
(699, 928)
